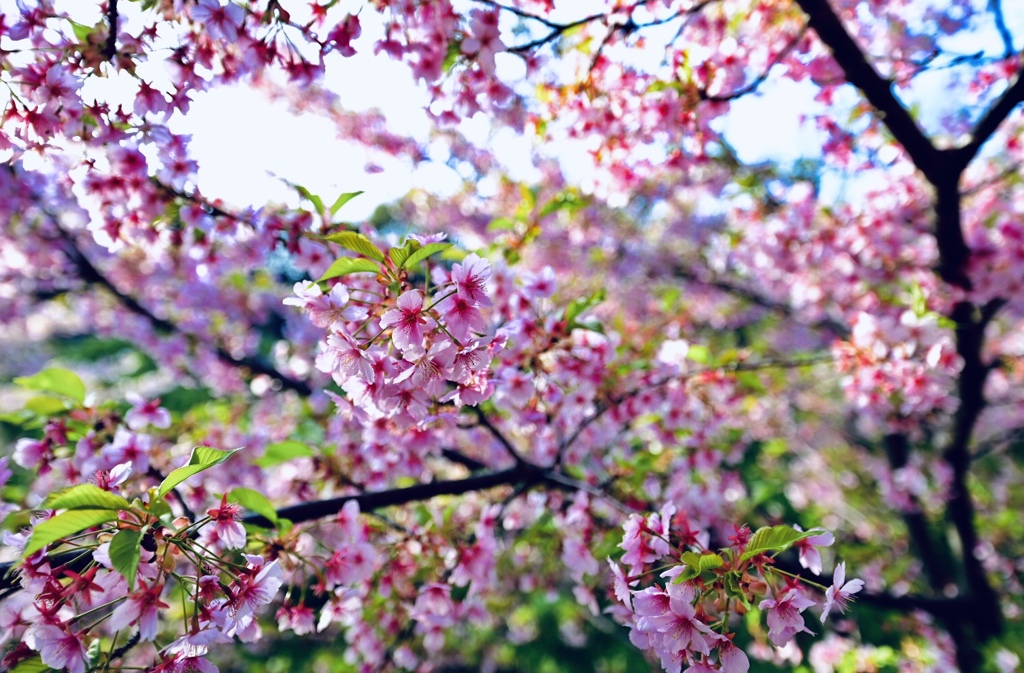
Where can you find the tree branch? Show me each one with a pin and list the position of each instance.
(730, 288)
(88, 272)
(991, 120)
(878, 91)
(309, 511)
(996, 7)
(110, 48)
(970, 334)
(760, 79)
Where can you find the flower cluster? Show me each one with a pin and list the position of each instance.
(125, 572)
(678, 597)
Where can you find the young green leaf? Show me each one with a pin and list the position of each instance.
(202, 458)
(253, 501)
(317, 202)
(775, 539)
(31, 665)
(82, 31)
(125, 551)
(59, 381)
(579, 306)
(342, 200)
(281, 452)
(45, 405)
(65, 524)
(400, 255)
(356, 242)
(347, 265)
(424, 252)
(86, 496)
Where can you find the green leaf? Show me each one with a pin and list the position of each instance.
(317, 202)
(399, 255)
(581, 305)
(424, 252)
(347, 265)
(356, 242)
(563, 201)
(81, 31)
(281, 452)
(202, 458)
(254, 501)
(699, 354)
(31, 665)
(125, 551)
(86, 496)
(45, 405)
(775, 539)
(697, 564)
(501, 224)
(65, 524)
(342, 200)
(59, 381)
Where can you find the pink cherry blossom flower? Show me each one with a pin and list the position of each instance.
(841, 592)
(732, 658)
(470, 278)
(539, 285)
(461, 316)
(146, 412)
(32, 453)
(810, 557)
(679, 627)
(58, 648)
(142, 607)
(127, 447)
(408, 322)
(225, 531)
(222, 22)
(784, 618)
(252, 593)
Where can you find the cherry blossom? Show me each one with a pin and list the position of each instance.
(840, 594)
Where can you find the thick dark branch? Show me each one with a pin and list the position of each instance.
(991, 120)
(935, 561)
(471, 464)
(88, 272)
(970, 335)
(941, 168)
(110, 48)
(310, 511)
(877, 90)
(523, 14)
(521, 475)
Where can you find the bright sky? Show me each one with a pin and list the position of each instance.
(242, 142)
(245, 145)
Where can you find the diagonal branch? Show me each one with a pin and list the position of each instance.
(88, 272)
(941, 168)
(309, 511)
(991, 120)
(521, 475)
(877, 90)
(747, 294)
(754, 84)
